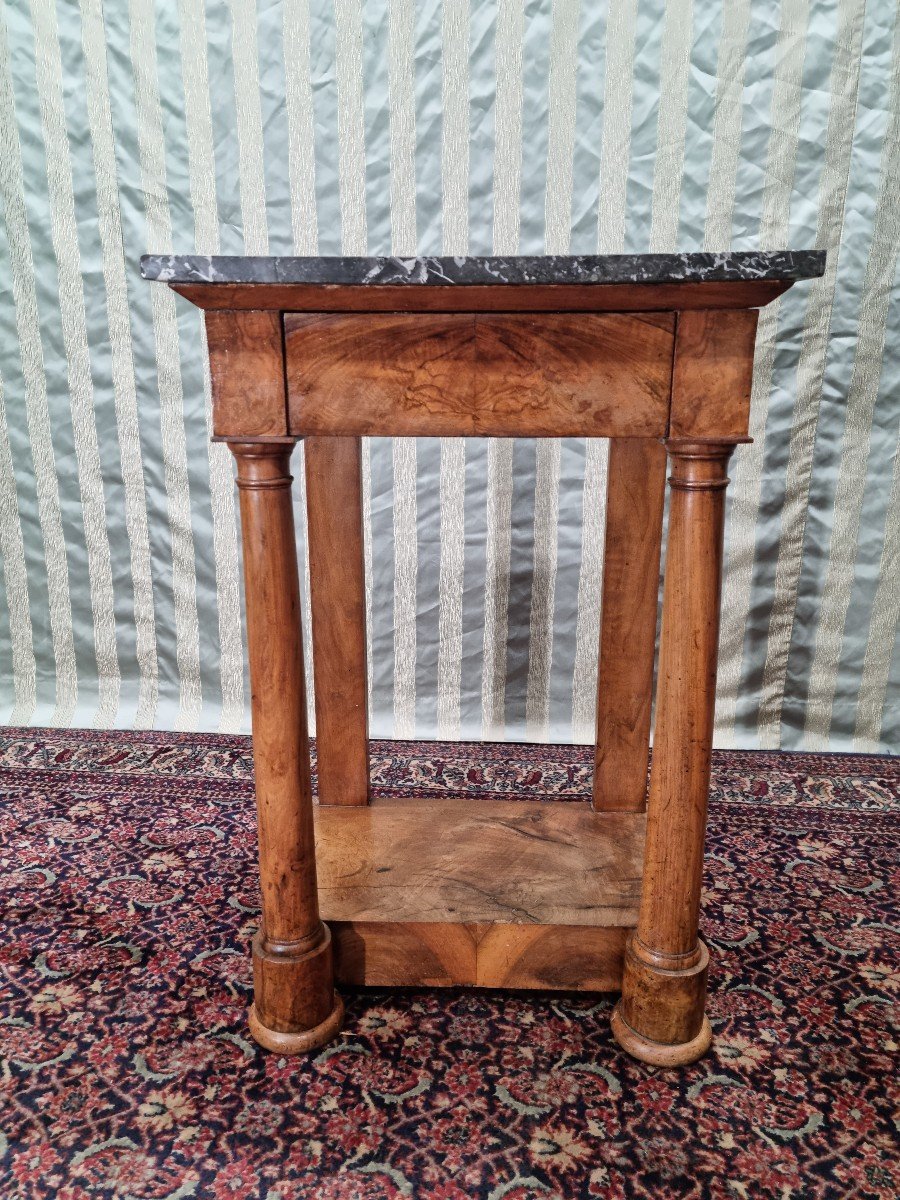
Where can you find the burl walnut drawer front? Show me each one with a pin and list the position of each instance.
(488, 375)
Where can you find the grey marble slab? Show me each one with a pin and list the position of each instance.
(732, 267)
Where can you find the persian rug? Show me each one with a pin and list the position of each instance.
(128, 904)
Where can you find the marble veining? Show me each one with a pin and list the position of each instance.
(730, 267)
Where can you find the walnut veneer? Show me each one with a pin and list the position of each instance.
(654, 352)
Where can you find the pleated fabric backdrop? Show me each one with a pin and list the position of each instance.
(462, 127)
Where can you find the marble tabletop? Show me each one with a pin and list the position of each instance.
(732, 267)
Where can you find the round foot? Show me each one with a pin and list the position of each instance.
(305, 1040)
(657, 1053)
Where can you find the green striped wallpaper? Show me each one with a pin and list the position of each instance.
(467, 126)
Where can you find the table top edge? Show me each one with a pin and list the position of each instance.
(521, 270)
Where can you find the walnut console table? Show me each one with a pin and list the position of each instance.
(652, 351)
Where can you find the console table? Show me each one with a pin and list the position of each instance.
(654, 352)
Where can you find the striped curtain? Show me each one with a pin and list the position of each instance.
(455, 127)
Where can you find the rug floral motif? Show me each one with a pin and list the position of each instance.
(129, 898)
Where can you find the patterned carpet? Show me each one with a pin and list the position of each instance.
(128, 902)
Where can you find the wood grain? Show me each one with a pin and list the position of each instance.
(664, 984)
(580, 958)
(484, 893)
(499, 375)
(660, 1002)
(679, 780)
(570, 958)
(292, 965)
(636, 485)
(380, 374)
(338, 601)
(618, 297)
(660, 1054)
(246, 364)
(713, 374)
(404, 954)
(560, 375)
(479, 862)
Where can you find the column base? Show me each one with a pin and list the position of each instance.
(297, 1043)
(658, 1054)
(295, 1007)
(659, 1018)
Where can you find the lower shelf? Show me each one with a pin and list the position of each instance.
(436, 893)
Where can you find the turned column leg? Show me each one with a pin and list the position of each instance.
(295, 1007)
(660, 1017)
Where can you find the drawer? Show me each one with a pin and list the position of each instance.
(481, 375)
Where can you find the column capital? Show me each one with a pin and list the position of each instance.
(262, 464)
(699, 465)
